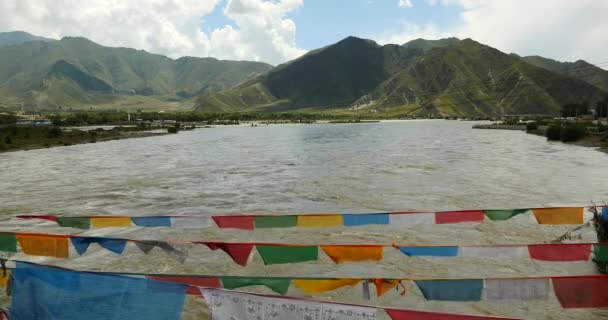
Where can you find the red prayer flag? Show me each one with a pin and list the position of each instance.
(459, 216)
(43, 217)
(193, 282)
(239, 252)
(397, 314)
(582, 292)
(560, 252)
(237, 222)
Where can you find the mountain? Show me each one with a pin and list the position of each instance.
(76, 72)
(19, 37)
(420, 78)
(580, 69)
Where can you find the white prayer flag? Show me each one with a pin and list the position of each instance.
(516, 289)
(508, 252)
(411, 219)
(192, 222)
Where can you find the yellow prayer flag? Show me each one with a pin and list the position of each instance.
(341, 254)
(319, 286)
(46, 246)
(4, 278)
(108, 222)
(318, 220)
(559, 215)
(384, 285)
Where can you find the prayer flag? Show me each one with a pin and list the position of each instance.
(147, 245)
(430, 251)
(192, 222)
(581, 292)
(75, 222)
(4, 276)
(384, 285)
(361, 219)
(320, 286)
(320, 220)
(451, 290)
(505, 252)
(110, 222)
(600, 253)
(275, 221)
(501, 215)
(397, 314)
(192, 282)
(81, 244)
(152, 221)
(41, 216)
(277, 254)
(277, 285)
(45, 293)
(41, 245)
(236, 222)
(8, 242)
(559, 215)
(341, 254)
(239, 252)
(411, 219)
(459, 216)
(560, 252)
(516, 289)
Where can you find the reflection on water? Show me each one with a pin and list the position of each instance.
(423, 165)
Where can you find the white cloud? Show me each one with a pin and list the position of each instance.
(161, 26)
(263, 32)
(560, 29)
(405, 4)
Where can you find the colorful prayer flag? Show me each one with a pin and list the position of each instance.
(430, 251)
(275, 221)
(320, 220)
(559, 215)
(411, 219)
(236, 222)
(361, 219)
(581, 292)
(501, 215)
(384, 285)
(397, 314)
(277, 285)
(560, 252)
(320, 286)
(239, 252)
(459, 216)
(46, 246)
(8, 242)
(110, 222)
(152, 221)
(4, 276)
(504, 252)
(277, 254)
(81, 244)
(75, 222)
(192, 282)
(600, 253)
(147, 245)
(341, 254)
(516, 289)
(451, 290)
(192, 222)
(41, 216)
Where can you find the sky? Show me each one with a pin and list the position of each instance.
(276, 31)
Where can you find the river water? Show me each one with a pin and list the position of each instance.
(389, 166)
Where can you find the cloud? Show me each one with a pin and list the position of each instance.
(560, 29)
(405, 4)
(262, 32)
(169, 27)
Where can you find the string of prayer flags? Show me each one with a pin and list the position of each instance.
(279, 254)
(43, 245)
(81, 244)
(556, 216)
(410, 219)
(4, 276)
(320, 286)
(239, 252)
(186, 222)
(502, 252)
(582, 291)
(70, 295)
(600, 253)
(278, 285)
(451, 290)
(341, 254)
(384, 285)
(225, 305)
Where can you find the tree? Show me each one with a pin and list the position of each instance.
(575, 109)
(601, 108)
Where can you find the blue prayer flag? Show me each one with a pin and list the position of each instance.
(430, 251)
(152, 221)
(45, 293)
(451, 290)
(81, 244)
(356, 219)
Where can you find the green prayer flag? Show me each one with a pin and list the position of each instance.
(275, 222)
(600, 253)
(279, 286)
(501, 215)
(288, 254)
(75, 222)
(8, 242)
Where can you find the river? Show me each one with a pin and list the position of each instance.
(422, 165)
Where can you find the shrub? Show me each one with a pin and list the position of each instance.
(55, 132)
(172, 130)
(554, 132)
(572, 133)
(8, 140)
(531, 126)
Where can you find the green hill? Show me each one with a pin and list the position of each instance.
(19, 37)
(580, 69)
(420, 78)
(76, 72)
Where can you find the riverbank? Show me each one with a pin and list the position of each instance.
(14, 138)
